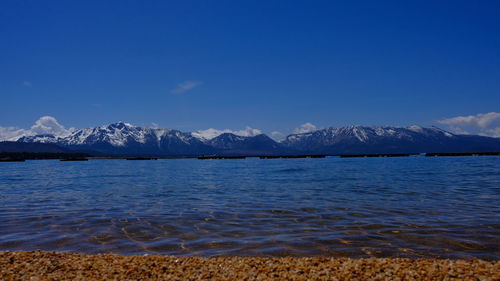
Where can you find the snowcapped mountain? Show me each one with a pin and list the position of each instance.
(361, 134)
(379, 139)
(125, 139)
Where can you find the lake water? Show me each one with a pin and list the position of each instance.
(447, 207)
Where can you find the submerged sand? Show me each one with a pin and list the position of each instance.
(74, 266)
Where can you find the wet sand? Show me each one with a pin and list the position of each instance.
(74, 266)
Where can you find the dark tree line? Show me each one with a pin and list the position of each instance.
(6, 156)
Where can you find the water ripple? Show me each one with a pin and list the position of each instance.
(415, 207)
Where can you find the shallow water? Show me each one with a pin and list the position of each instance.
(444, 207)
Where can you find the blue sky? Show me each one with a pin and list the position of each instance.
(271, 65)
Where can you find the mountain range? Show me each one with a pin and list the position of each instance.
(125, 139)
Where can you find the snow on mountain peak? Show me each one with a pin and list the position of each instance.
(360, 134)
(123, 137)
(159, 133)
(121, 125)
(117, 134)
(365, 134)
(211, 133)
(415, 128)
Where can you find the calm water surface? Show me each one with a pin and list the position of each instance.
(445, 207)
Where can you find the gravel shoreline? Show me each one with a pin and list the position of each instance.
(75, 266)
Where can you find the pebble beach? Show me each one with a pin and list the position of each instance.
(37, 265)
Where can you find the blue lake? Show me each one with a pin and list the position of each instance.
(447, 207)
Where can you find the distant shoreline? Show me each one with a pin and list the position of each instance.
(21, 156)
(71, 266)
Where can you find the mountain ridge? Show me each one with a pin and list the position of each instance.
(125, 139)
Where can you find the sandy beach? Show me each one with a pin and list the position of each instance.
(74, 266)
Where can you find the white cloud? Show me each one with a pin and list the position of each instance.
(154, 125)
(44, 125)
(487, 124)
(212, 133)
(305, 128)
(185, 86)
(209, 133)
(49, 125)
(248, 132)
(495, 132)
(481, 120)
(12, 133)
(27, 84)
(277, 135)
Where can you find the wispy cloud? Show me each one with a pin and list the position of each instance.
(305, 128)
(487, 124)
(27, 84)
(44, 125)
(185, 86)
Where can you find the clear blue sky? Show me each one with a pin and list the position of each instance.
(272, 65)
